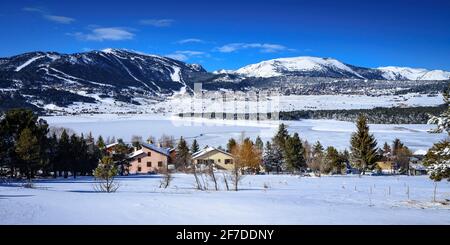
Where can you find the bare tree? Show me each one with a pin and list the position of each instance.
(213, 176)
(225, 179)
(166, 180)
(197, 180)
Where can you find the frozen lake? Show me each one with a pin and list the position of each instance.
(217, 132)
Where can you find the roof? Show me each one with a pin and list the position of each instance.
(164, 151)
(111, 145)
(136, 153)
(203, 152)
(420, 152)
(417, 166)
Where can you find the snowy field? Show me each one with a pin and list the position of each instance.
(217, 132)
(264, 199)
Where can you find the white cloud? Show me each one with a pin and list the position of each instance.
(190, 40)
(157, 22)
(105, 33)
(33, 9)
(184, 55)
(59, 19)
(262, 47)
(55, 18)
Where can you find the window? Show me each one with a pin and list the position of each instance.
(228, 161)
(139, 169)
(160, 164)
(218, 160)
(149, 164)
(149, 154)
(139, 160)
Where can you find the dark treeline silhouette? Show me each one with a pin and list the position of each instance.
(379, 115)
(28, 149)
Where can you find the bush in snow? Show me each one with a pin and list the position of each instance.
(106, 172)
(440, 171)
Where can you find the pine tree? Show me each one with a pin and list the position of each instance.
(386, 148)
(259, 144)
(101, 143)
(294, 153)
(272, 159)
(75, 155)
(334, 161)
(317, 161)
(183, 157)
(363, 146)
(106, 172)
(396, 146)
(195, 147)
(64, 153)
(438, 158)
(28, 151)
(281, 136)
(231, 145)
(136, 141)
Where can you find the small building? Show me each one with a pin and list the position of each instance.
(149, 159)
(386, 167)
(210, 155)
(417, 169)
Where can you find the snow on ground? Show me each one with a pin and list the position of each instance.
(286, 200)
(217, 132)
(214, 103)
(181, 102)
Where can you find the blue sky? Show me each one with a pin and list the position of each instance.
(230, 34)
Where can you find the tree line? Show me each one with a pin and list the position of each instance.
(378, 115)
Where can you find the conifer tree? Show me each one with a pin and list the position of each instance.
(100, 142)
(333, 161)
(281, 136)
(231, 144)
(272, 159)
(294, 153)
(259, 144)
(363, 146)
(183, 157)
(438, 158)
(28, 151)
(64, 154)
(106, 172)
(396, 146)
(195, 147)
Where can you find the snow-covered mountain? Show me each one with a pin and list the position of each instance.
(407, 73)
(110, 67)
(327, 67)
(114, 76)
(306, 66)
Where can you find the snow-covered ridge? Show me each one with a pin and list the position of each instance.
(329, 67)
(277, 67)
(396, 73)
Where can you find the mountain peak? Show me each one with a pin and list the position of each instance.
(296, 65)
